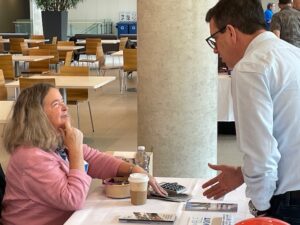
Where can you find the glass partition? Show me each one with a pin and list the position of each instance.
(23, 26)
(89, 27)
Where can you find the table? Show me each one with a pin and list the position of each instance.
(118, 53)
(63, 82)
(99, 209)
(6, 107)
(28, 58)
(69, 47)
(225, 106)
(83, 42)
(30, 41)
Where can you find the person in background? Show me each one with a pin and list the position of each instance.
(266, 93)
(269, 14)
(286, 23)
(50, 169)
(296, 4)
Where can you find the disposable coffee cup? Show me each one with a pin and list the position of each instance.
(138, 188)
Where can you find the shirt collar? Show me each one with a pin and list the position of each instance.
(258, 39)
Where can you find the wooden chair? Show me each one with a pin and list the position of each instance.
(52, 51)
(6, 64)
(62, 54)
(36, 37)
(91, 45)
(54, 40)
(123, 41)
(14, 45)
(3, 91)
(129, 66)
(2, 50)
(74, 96)
(68, 59)
(40, 67)
(122, 45)
(94, 60)
(24, 48)
(100, 59)
(102, 64)
(26, 82)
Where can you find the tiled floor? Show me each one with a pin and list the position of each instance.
(115, 119)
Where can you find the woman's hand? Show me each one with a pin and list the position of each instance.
(73, 140)
(156, 187)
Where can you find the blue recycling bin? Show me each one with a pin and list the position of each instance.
(132, 28)
(122, 28)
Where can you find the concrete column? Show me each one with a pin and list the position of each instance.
(177, 87)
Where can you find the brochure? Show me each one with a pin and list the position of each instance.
(211, 206)
(225, 219)
(146, 217)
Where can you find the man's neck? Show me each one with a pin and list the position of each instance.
(247, 39)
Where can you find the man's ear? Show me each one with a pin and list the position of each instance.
(232, 33)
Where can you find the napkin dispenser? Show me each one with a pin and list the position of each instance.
(117, 187)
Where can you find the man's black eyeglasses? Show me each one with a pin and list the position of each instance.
(211, 39)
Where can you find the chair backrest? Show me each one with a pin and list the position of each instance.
(37, 36)
(91, 45)
(52, 51)
(65, 43)
(100, 56)
(3, 92)
(123, 41)
(75, 95)
(6, 64)
(68, 58)
(26, 82)
(14, 45)
(24, 48)
(62, 54)
(54, 40)
(1, 45)
(130, 60)
(262, 221)
(42, 65)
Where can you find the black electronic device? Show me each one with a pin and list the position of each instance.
(173, 188)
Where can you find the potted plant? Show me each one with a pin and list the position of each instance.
(55, 16)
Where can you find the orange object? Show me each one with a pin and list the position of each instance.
(262, 221)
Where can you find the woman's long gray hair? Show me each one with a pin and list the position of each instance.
(29, 125)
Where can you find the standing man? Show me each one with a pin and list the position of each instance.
(286, 23)
(269, 14)
(266, 99)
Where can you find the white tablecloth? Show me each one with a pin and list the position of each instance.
(99, 209)
(225, 108)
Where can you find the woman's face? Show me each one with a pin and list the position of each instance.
(55, 108)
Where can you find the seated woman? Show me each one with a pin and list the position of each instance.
(46, 178)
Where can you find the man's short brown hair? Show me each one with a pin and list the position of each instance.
(283, 2)
(245, 15)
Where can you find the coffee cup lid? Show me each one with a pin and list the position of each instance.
(138, 178)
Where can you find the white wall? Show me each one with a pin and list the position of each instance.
(101, 9)
(89, 10)
(265, 3)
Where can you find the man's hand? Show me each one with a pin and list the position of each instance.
(228, 179)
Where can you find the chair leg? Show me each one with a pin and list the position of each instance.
(78, 120)
(91, 116)
(125, 82)
(121, 74)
